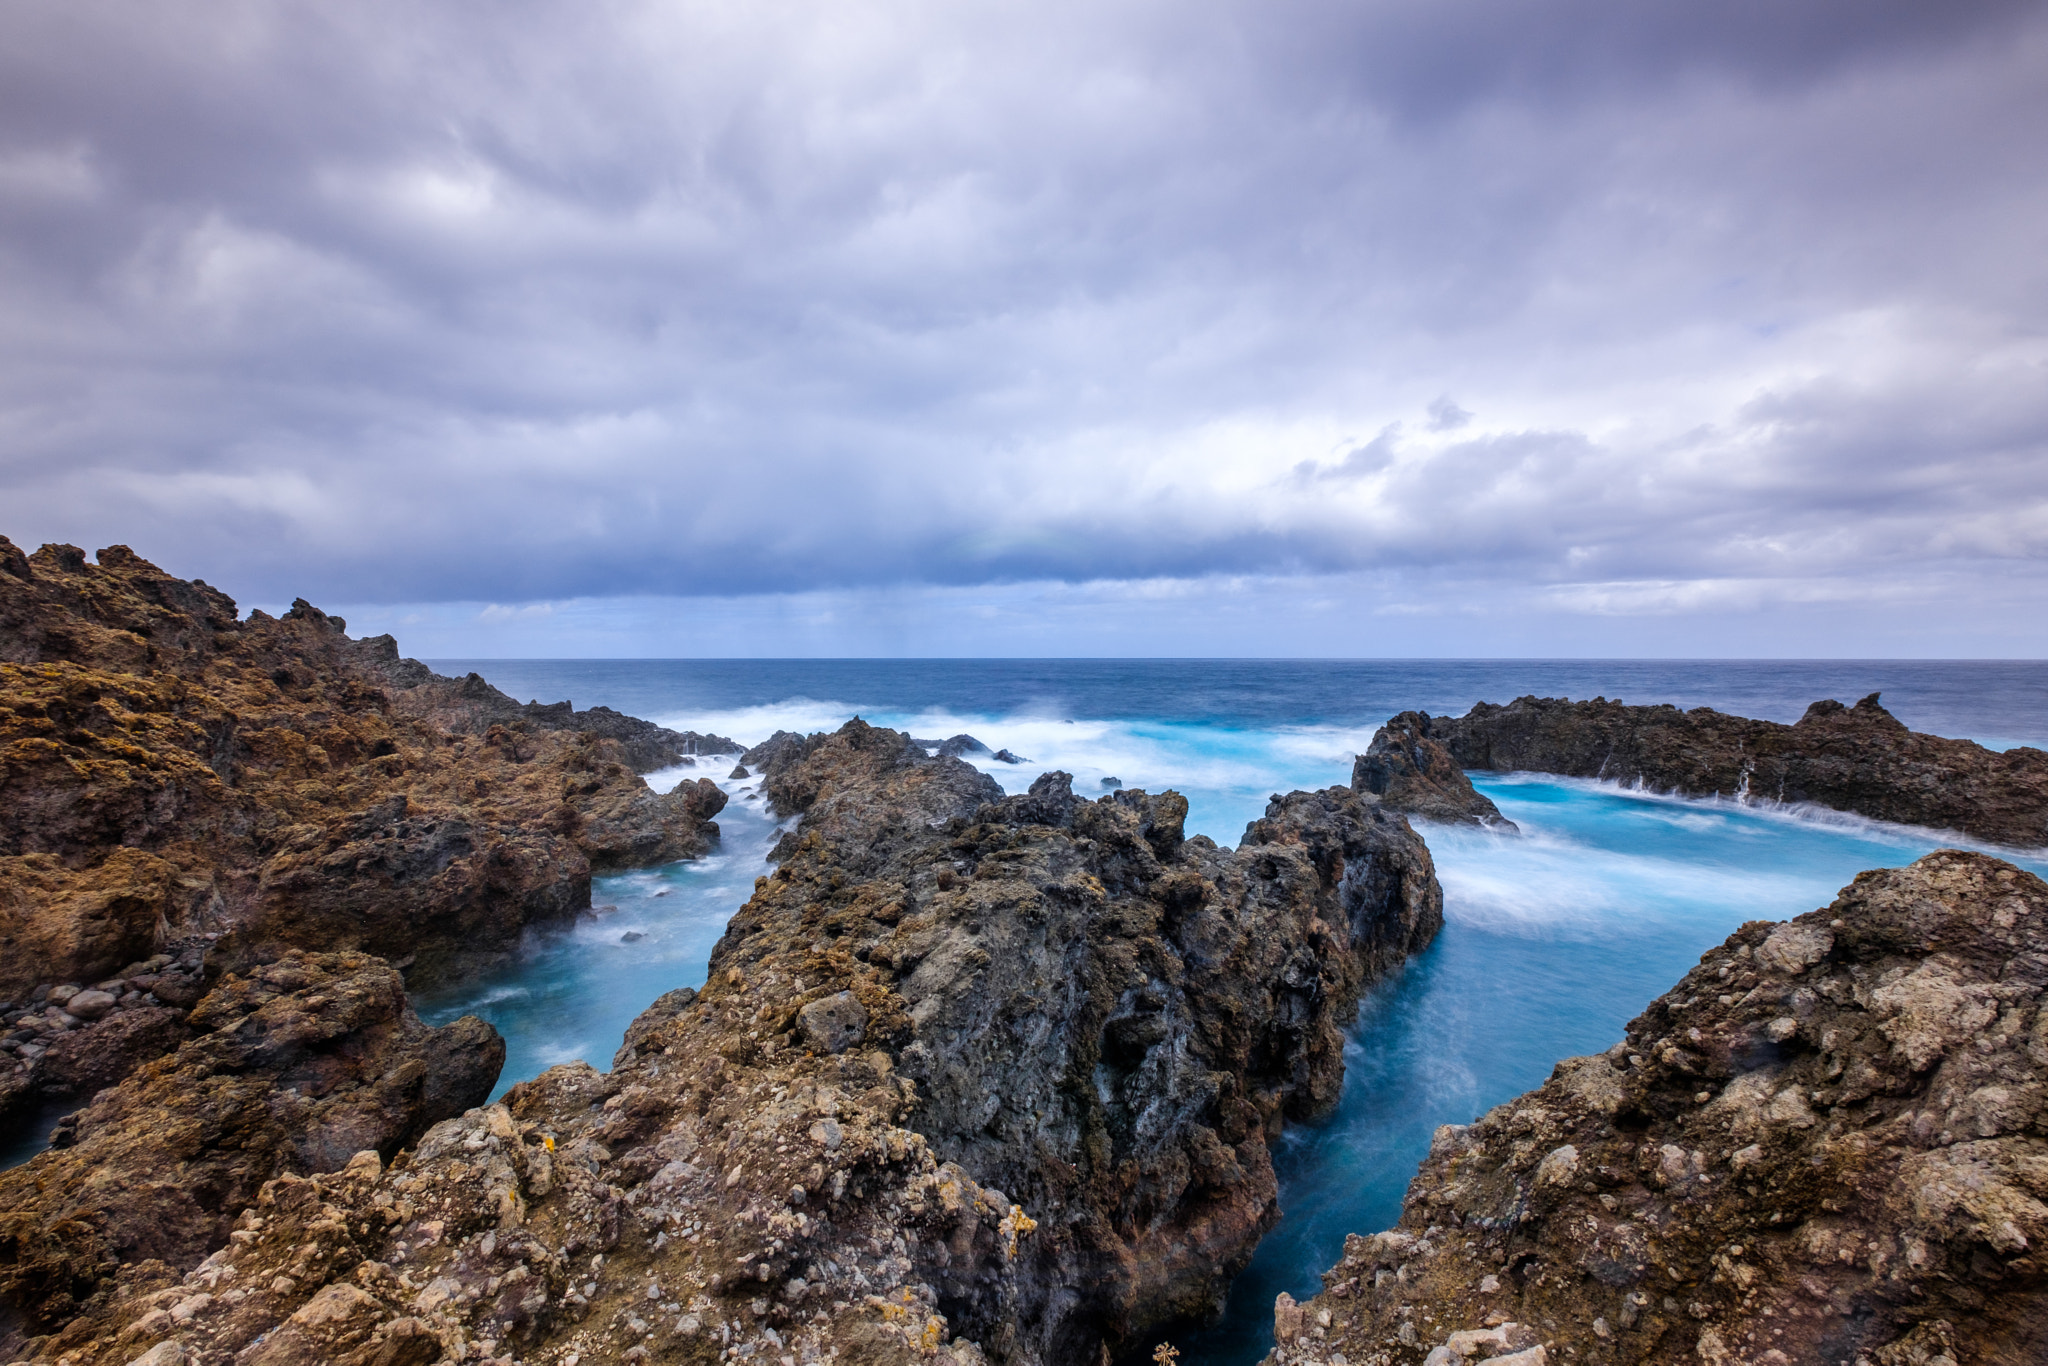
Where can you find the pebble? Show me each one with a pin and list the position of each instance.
(92, 1005)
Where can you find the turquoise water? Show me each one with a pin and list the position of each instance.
(1553, 940)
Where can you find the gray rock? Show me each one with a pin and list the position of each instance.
(91, 1005)
(739, 771)
(834, 1023)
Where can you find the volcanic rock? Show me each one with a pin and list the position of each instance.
(297, 1066)
(1410, 772)
(1860, 759)
(1057, 1036)
(1828, 1143)
(172, 772)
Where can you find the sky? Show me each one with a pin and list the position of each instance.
(1375, 328)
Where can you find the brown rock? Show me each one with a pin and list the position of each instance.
(1411, 773)
(297, 1066)
(173, 772)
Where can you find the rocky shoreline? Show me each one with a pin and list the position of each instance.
(809, 1157)
(184, 786)
(1860, 759)
(975, 1078)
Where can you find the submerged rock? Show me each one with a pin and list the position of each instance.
(973, 1078)
(1860, 759)
(1410, 772)
(1828, 1143)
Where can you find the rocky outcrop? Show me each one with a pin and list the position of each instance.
(172, 772)
(1828, 1143)
(974, 1078)
(1860, 759)
(294, 1068)
(1410, 772)
(471, 706)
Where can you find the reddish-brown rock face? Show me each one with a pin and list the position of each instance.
(172, 771)
(1829, 1143)
(1859, 759)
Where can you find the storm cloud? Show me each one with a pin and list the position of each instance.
(1612, 308)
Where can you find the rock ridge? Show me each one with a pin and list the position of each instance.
(1860, 759)
(293, 1068)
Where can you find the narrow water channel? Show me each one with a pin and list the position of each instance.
(571, 993)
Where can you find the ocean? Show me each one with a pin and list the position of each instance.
(1552, 941)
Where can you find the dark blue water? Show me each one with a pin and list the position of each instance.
(1553, 941)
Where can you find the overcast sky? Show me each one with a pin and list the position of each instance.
(1395, 327)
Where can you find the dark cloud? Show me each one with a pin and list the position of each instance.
(526, 302)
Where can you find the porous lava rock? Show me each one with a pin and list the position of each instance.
(1410, 772)
(974, 1078)
(174, 771)
(1827, 1144)
(294, 1068)
(1860, 759)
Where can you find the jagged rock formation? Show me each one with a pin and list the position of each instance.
(1860, 759)
(974, 1078)
(296, 1067)
(471, 706)
(172, 771)
(1409, 772)
(1827, 1144)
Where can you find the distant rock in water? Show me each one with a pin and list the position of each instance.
(1825, 1144)
(739, 771)
(1410, 772)
(1003, 756)
(1860, 759)
(1111, 784)
(632, 936)
(960, 745)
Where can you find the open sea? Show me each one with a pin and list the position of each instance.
(1552, 941)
